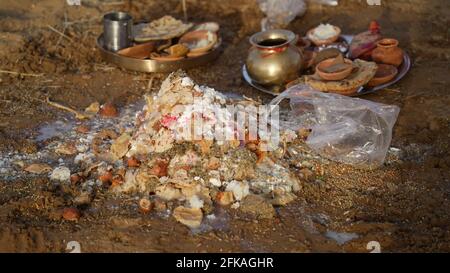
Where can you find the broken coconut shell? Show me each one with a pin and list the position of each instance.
(191, 217)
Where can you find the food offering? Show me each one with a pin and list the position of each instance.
(345, 64)
(166, 44)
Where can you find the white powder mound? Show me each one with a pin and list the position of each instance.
(239, 189)
(324, 31)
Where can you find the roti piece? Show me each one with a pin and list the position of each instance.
(361, 75)
(164, 28)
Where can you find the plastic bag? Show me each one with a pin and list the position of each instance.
(280, 12)
(348, 130)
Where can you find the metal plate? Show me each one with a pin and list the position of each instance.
(157, 66)
(276, 90)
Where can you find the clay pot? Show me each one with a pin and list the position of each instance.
(385, 73)
(338, 75)
(388, 52)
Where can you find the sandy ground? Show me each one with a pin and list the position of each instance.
(403, 205)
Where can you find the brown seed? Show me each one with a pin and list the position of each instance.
(145, 205)
(75, 178)
(160, 205)
(116, 181)
(108, 110)
(71, 214)
(303, 133)
(252, 146)
(84, 129)
(106, 177)
(133, 162)
(159, 168)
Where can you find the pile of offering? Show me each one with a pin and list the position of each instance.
(188, 177)
(343, 64)
(169, 39)
(369, 60)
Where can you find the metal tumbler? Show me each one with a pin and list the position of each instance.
(117, 30)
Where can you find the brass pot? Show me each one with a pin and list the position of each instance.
(273, 58)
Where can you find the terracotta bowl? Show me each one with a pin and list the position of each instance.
(303, 43)
(196, 36)
(385, 73)
(328, 41)
(334, 76)
(141, 51)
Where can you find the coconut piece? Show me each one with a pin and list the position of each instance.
(168, 192)
(119, 148)
(191, 217)
(224, 198)
(38, 168)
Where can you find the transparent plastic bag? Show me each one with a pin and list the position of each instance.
(280, 12)
(345, 129)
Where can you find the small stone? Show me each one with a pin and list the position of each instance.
(108, 110)
(257, 207)
(71, 214)
(191, 217)
(66, 149)
(60, 174)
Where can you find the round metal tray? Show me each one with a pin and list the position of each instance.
(276, 90)
(157, 66)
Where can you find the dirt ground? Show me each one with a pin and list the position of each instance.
(404, 205)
